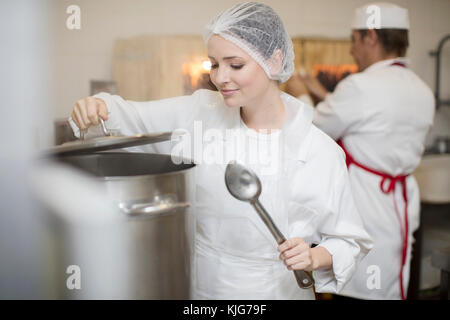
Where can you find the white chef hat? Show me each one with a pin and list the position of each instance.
(381, 15)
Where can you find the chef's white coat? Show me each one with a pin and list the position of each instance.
(382, 116)
(307, 194)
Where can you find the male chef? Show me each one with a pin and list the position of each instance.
(380, 117)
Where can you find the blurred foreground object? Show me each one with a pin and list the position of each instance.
(25, 90)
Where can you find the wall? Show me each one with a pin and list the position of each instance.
(82, 55)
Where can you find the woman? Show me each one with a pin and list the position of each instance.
(303, 173)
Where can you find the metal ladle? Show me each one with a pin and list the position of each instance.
(244, 185)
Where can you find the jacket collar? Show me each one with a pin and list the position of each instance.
(385, 63)
(295, 132)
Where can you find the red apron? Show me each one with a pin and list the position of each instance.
(392, 181)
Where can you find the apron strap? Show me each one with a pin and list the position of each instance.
(392, 181)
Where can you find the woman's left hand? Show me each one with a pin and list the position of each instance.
(296, 254)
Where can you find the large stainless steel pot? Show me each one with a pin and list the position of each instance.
(148, 254)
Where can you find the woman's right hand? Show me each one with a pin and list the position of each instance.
(86, 112)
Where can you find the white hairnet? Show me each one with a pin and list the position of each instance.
(258, 30)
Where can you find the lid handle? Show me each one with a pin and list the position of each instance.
(104, 129)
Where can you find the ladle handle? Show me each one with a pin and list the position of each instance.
(304, 279)
(266, 218)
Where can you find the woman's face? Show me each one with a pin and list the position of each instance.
(239, 78)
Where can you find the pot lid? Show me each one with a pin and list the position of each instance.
(108, 142)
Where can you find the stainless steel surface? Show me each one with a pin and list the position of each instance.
(158, 207)
(433, 178)
(441, 145)
(267, 219)
(82, 133)
(155, 197)
(105, 131)
(441, 259)
(438, 54)
(108, 142)
(244, 184)
(103, 126)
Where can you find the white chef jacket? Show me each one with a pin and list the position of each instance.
(382, 116)
(307, 195)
